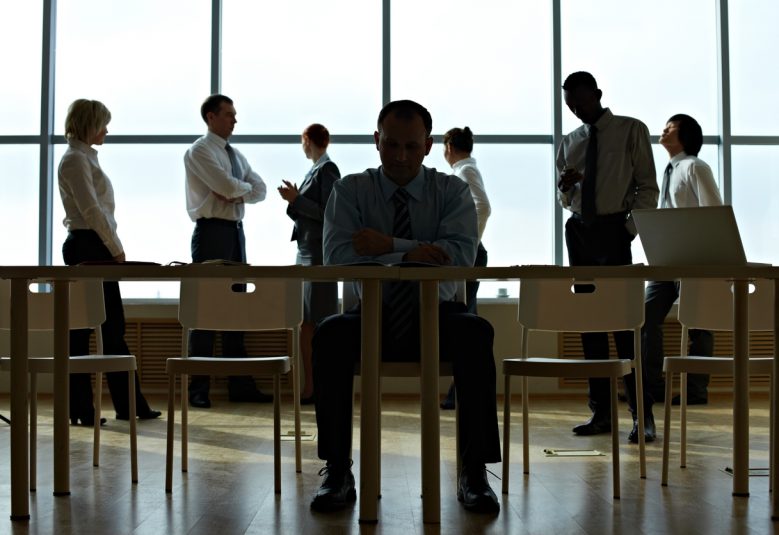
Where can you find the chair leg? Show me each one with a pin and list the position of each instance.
(169, 446)
(683, 409)
(184, 422)
(33, 431)
(98, 411)
(669, 376)
(296, 367)
(378, 442)
(133, 428)
(457, 452)
(506, 430)
(615, 436)
(525, 425)
(277, 434)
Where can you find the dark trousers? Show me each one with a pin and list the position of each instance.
(218, 239)
(81, 246)
(472, 287)
(604, 242)
(660, 297)
(464, 339)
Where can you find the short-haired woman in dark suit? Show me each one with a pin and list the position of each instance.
(307, 208)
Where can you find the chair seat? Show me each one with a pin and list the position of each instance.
(227, 366)
(553, 367)
(716, 365)
(80, 364)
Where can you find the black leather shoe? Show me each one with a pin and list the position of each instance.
(650, 433)
(337, 490)
(147, 415)
(307, 401)
(250, 396)
(596, 425)
(448, 403)
(474, 491)
(87, 422)
(200, 400)
(691, 400)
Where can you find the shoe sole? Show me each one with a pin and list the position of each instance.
(479, 507)
(329, 506)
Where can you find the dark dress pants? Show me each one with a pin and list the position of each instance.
(604, 242)
(218, 239)
(660, 297)
(472, 287)
(464, 339)
(81, 246)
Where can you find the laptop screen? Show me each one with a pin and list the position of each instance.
(706, 235)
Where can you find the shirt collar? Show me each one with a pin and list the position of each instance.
(79, 145)
(465, 161)
(321, 161)
(213, 138)
(678, 158)
(414, 188)
(603, 121)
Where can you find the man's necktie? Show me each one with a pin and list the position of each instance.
(665, 201)
(235, 167)
(590, 173)
(401, 297)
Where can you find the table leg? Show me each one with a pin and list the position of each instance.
(775, 411)
(61, 384)
(741, 388)
(369, 400)
(20, 506)
(431, 431)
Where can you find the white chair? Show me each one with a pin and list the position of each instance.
(404, 369)
(213, 304)
(552, 305)
(87, 311)
(708, 304)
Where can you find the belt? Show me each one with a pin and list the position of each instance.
(218, 222)
(619, 217)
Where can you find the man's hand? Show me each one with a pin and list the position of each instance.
(369, 242)
(236, 200)
(289, 191)
(428, 253)
(568, 178)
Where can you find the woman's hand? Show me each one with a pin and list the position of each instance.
(289, 191)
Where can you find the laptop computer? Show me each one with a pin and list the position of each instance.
(706, 235)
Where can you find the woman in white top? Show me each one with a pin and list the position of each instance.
(88, 199)
(458, 145)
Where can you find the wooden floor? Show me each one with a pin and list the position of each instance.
(228, 489)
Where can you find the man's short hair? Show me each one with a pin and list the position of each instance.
(580, 79)
(690, 133)
(406, 109)
(212, 104)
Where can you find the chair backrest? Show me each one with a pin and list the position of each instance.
(552, 305)
(219, 305)
(708, 304)
(351, 298)
(87, 309)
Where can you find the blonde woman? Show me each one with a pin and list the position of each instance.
(88, 199)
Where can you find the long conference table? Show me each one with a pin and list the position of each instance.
(371, 278)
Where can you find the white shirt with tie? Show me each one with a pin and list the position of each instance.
(209, 171)
(689, 184)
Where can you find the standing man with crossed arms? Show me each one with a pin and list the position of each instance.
(605, 170)
(219, 183)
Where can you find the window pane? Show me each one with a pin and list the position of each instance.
(520, 229)
(288, 64)
(152, 219)
(19, 207)
(756, 200)
(20, 41)
(648, 64)
(488, 67)
(753, 38)
(141, 59)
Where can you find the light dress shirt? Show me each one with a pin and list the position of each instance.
(691, 184)
(440, 208)
(209, 171)
(626, 177)
(466, 170)
(87, 195)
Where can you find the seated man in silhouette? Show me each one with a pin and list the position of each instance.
(404, 212)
